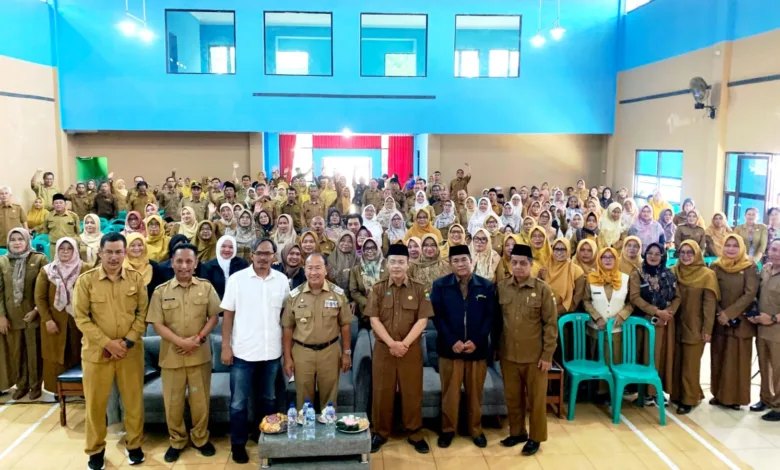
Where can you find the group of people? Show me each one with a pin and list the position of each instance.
(290, 262)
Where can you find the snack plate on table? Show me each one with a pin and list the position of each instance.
(352, 424)
(274, 424)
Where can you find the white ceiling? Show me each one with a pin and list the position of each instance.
(393, 21)
(213, 17)
(487, 22)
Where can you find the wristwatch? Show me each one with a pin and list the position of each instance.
(347, 352)
(774, 318)
(202, 339)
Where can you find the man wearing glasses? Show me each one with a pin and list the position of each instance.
(252, 341)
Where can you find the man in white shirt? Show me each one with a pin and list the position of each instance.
(252, 340)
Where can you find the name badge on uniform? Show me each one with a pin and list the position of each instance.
(480, 296)
(168, 300)
(596, 293)
(331, 304)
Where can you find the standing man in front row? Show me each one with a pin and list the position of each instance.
(109, 307)
(184, 311)
(526, 332)
(463, 304)
(316, 313)
(399, 310)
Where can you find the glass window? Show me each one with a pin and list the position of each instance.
(492, 44)
(731, 172)
(200, 41)
(646, 163)
(658, 170)
(634, 4)
(298, 43)
(393, 45)
(753, 176)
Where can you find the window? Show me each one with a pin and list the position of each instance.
(200, 41)
(746, 184)
(298, 43)
(632, 5)
(393, 45)
(658, 170)
(487, 46)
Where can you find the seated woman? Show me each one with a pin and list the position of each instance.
(467, 212)
(541, 249)
(612, 232)
(630, 258)
(156, 240)
(422, 226)
(60, 337)
(244, 235)
(647, 229)
(484, 259)
(754, 234)
(477, 220)
(36, 215)
(137, 258)
(89, 240)
(206, 241)
(134, 224)
(630, 212)
(420, 203)
(344, 202)
(284, 234)
(226, 264)
(227, 219)
(589, 231)
(585, 256)
(573, 207)
(576, 223)
(666, 220)
(341, 261)
(525, 230)
(264, 225)
(188, 225)
(150, 210)
(493, 226)
(395, 233)
(414, 245)
(535, 210)
(309, 243)
(546, 222)
(715, 235)
(369, 269)
(370, 222)
(690, 230)
(566, 279)
(446, 219)
(657, 204)
(334, 227)
(654, 293)
(292, 265)
(682, 216)
(455, 237)
(504, 268)
(431, 266)
(510, 218)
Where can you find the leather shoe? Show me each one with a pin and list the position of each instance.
(530, 448)
(172, 455)
(35, 394)
(207, 449)
(239, 453)
(758, 407)
(376, 443)
(420, 446)
(772, 416)
(445, 439)
(512, 441)
(480, 441)
(684, 409)
(19, 393)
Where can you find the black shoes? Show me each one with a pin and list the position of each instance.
(420, 446)
(135, 456)
(512, 441)
(207, 449)
(772, 416)
(97, 461)
(715, 402)
(530, 448)
(758, 407)
(239, 453)
(172, 454)
(376, 443)
(684, 409)
(445, 439)
(480, 441)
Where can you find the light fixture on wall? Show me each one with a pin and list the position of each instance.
(135, 26)
(346, 133)
(539, 40)
(557, 32)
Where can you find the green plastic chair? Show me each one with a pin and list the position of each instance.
(708, 260)
(117, 222)
(630, 371)
(122, 215)
(3, 251)
(114, 228)
(579, 368)
(161, 212)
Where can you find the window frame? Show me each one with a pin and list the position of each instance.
(658, 177)
(190, 10)
(733, 219)
(265, 43)
(519, 45)
(360, 57)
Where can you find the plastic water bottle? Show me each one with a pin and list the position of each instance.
(292, 425)
(330, 419)
(308, 419)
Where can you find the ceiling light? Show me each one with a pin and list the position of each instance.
(346, 133)
(127, 27)
(538, 40)
(146, 35)
(557, 32)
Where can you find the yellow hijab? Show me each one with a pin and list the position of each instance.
(697, 274)
(733, 265)
(525, 237)
(328, 195)
(602, 276)
(718, 235)
(541, 255)
(562, 274)
(191, 230)
(138, 263)
(444, 251)
(507, 257)
(157, 245)
(586, 267)
(419, 232)
(207, 249)
(627, 265)
(658, 207)
(35, 217)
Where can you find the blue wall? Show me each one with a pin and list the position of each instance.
(667, 28)
(25, 31)
(214, 35)
(111, 82)
(294, 38)
(186, 28)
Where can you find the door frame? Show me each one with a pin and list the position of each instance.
(734, 218)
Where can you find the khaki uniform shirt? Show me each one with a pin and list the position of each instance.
(316, 318)
(11, 216)
(529, 319)
(184, 310)
(200, 207)
(400, 199)
(105, 205)
(312, 209)
(769, 303)
(137, 202)
(327, 246)
(374, 197)
(80, 204)
(170, 204)
(15, 314)
(294, 211)
(458, 184)
(105, 310)
(398, 307)
(46, 194)
(58, 226)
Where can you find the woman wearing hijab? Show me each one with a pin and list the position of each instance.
(150, 209)
(657, 204)
(715, 235)
(446, 219)
(188, 225)
(566, 279)
(431, 266)
(654, 293)
(244, 235)
(206, 241)
(329, 195)
(363, 234)
(60, 338)
(535, 210)
(20, 340)
(334, 226)
(585, 256)
(573, 207)
(292, 265)
(414, 244)
(546, 222)
(420, 203)
(590, 231)
(156, 240)
(518, 208)
(395, 233)
(504, 268)
(344, 202)
(370, 222)
(227, 219)
(89, 240)
(134, 223)
(575, 224)
(284, 234)
(226, 263)
(477, 220)
(682, 216)
(484, 259)
(670, 228)
(559, 200)
(36, 215)
(540, 248)
(251, 198)
(630, 212)
(607, 297)
(137, 258)
(422, 226)
(341, 261)
(119, 191)
(264, 225)
(630, 255)
(690, 230)
(581, 191)
(606, 198)
(525, 230)
(369, 269)
(754, 234)
(388, 209)
(699, 295)
(455, 237)
(647, 229)
(467, 212)
(612, 232)
(732, 336)
(621, 196)
(493, 226)
(310, 243)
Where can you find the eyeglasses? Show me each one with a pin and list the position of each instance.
(559, 250)
(480, 240)
(369, 248)
(605, 258)
(263, 253)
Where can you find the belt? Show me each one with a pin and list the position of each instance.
(317, 347)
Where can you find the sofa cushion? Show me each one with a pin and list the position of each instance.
(216, 354)
(220, 392)
(431, 388)
(153, 396)
(430, 353)
(152, 351)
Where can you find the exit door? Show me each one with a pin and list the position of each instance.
(746, 180)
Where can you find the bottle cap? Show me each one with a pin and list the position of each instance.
(330, 403)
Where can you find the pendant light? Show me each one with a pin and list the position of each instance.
(539, 40)
(557, 32)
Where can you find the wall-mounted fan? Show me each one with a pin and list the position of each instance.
(701, 94)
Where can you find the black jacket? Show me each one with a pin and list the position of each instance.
(213, 272)
(458, 319)
(296, 280)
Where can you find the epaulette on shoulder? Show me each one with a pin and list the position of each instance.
(297, 291)
(338, 290)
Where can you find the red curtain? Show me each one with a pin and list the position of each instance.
(340, 142)
(286, 154)
(400, 156)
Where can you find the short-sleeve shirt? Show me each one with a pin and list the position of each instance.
(61, 225)
(11, 216)
(46, 194)
(398, 307)
(184, 310)
(769, 303)
(316, 318)
(526, 310)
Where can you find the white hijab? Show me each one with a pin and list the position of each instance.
(422, 205)
(477, 220)
(224, 263)
(395, 234)
(372, 225)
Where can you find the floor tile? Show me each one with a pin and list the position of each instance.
(459, 463)
(393, 463)
(513, 463)
(616, 462)
(564, 462)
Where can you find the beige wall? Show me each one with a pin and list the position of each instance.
(515, 160)
(28, 129)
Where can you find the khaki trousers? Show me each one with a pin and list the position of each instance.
(320, 368)
(686, 386)
(98, 381)
(24, 350)
(769, 363)
(525, 386)
(405, 374)
(453, 374)
(195, 383)
(730, 361)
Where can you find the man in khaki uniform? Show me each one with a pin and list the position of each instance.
(109, 307)
(316, 312)
(526, 334)
(137, 201)
(170, 199)
(45, 188)
(269, 205)
(11, 215)
(197, 202)
(80, 202)
(184, 311)
(461, 180)
(373, 196)
(60, 223)
(293, 209)
(326, 244)
(312, 208)
(399, 310)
